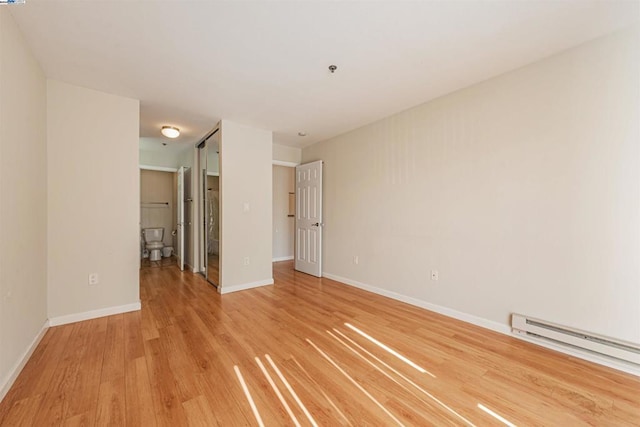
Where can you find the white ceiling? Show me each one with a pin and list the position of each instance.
(264, 63)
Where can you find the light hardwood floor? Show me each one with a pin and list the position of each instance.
(179, 361)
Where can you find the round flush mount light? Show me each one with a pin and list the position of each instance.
(170, 131)
(302, 134)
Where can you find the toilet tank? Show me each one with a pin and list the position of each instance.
(153, 234)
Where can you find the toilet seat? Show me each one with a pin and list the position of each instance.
(155, 245)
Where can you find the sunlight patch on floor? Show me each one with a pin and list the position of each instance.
(350, 345)
(248, 395)
(277, 391)
(426, 393)
(496, 416)
(293, 393)
(373, 399)
(388, 349)
(333, 405)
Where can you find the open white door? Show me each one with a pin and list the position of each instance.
(309, 218)
(180, 225)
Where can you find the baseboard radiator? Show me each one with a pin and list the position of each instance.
(536, 328)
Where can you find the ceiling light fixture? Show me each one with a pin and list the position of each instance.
(333, 68)
(170, 131)
(302, 134)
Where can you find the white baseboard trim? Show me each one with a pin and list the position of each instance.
(489, 324)
(244, 286)
(282, 258)
(469, 318)
(93, 314)
(8, 381)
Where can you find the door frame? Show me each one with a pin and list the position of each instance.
(180, 224)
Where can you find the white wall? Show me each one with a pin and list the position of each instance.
(213, 160)
(23, 199)
(522, 191)
(158, 159)
(245, 178)
(285, 154)
(94, 196)
(283, 225)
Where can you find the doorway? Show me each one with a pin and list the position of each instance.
(283, 212)
(158, 210)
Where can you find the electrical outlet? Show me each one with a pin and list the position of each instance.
(434, 275)
(356, 259)
(93, 279)
(247, 260)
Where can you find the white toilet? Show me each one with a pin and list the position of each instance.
(153, 242)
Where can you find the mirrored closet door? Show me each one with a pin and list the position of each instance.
(209, 159)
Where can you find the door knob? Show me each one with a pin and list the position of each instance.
(315, 224)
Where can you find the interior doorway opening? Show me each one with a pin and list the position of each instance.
(158, 209)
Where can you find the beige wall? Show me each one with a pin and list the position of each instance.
(522, 191)
(283, 225)
(23, 198)
(158, 187)
(164, 159)
(283, 153)
(245, 178)
(94, 197)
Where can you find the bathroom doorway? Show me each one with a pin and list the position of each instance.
(158, 217)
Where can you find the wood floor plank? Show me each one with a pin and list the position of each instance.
(44, 361)
(86, 384)
(21, 412)
(168, 408)
(174, 363)
(199, 413)
(132, 329)
(111, 407)
(138, 395)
